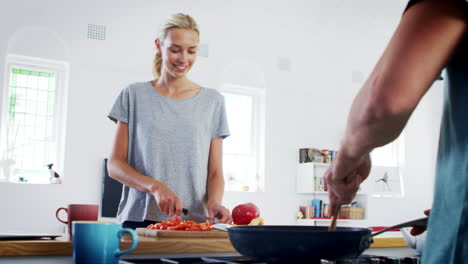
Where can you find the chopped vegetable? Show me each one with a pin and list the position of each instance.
(257, 221)
(176, 224)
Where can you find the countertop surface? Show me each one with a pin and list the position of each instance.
(62, 246)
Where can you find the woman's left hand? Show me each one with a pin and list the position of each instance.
(220, 212)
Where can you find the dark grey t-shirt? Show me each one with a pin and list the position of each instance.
(169, 140)
(447, 231)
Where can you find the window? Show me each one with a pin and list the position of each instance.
(243, 151)
(32, 132)
(388, 155)
(386, 175)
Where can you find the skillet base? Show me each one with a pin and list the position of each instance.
(299, 244)
(295, 261)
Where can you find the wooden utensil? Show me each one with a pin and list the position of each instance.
(335, 216)
(337, 209)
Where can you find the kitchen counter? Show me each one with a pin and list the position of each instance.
(62, 246)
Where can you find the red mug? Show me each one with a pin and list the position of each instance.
(78, 212)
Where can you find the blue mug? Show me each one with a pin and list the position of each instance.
(96, 242)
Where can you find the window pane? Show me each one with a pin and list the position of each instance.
(29, 127)
(20, 93)
(22, 80)
(31, 106)
(240, 173)
(239, 113)
(43, 83)
(386, 155)
(32, 82)
(42, 97)
(20, 106)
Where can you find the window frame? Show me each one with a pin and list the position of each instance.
(61, 72)
(258, 128)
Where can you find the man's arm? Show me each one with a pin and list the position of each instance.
(421, 46)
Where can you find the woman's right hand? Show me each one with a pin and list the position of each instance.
(167, 201)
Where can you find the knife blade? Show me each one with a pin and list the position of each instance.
(186, 211)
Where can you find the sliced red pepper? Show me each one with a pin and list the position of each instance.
(176, 224)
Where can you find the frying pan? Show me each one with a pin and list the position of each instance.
(303, 244)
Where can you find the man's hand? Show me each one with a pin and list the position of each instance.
(220, 212)
(343, 179)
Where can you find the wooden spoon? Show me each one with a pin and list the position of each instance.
(337, 209)
(335, 216)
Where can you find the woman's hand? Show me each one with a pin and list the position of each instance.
(218, 211)
(343, 179)
(168, 202)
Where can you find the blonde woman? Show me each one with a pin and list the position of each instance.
(167, 151)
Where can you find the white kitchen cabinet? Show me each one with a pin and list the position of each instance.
(309, 178)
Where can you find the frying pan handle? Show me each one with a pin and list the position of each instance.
(416, 222)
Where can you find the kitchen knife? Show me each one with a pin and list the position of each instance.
(185, 211)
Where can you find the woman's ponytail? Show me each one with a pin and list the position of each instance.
(157, 63)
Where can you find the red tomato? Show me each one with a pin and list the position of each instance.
(244, 213)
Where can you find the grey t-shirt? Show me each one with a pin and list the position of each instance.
(169, 140)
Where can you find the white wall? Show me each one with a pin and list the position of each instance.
(326, 41)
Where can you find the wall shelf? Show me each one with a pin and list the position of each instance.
(310, 177)
(309, 180)
(327, 220)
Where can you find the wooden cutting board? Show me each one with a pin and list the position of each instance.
(180, 233)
